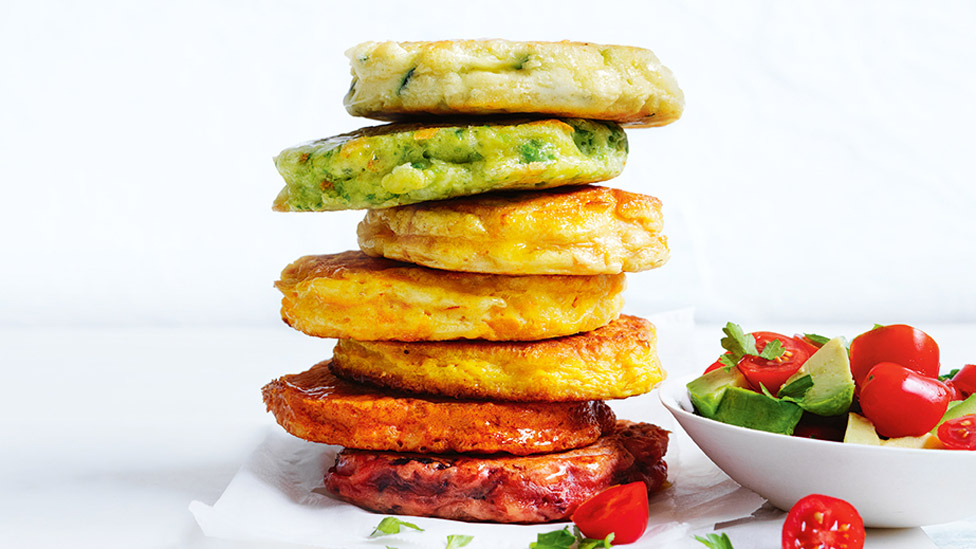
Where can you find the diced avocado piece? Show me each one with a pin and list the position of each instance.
(823, 385)
(926, 441)
(957, 409)
(706, 392)
(747, 408)
(860, 430)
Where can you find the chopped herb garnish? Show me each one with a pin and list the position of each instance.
(952, 373)
(391, 525)
(772, 350)
(740, 344)
(796, 389)
(716, 541)
(458, 540)
(558, 539)
(817, 338)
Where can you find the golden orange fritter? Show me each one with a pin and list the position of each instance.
(616, 361)
(316, 406)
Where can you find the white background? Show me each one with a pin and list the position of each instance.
(822, 173)
(823, 169)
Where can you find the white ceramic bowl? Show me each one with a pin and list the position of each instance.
(890, 487)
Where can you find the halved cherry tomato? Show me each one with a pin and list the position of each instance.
(965, 379)
(959, 433)
(620, 509)
(901, 402)
(773, 373)
(823, 522)
(898, 343)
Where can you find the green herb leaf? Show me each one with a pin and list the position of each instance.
(590, 543)
(765, 391)
(772, 350)
(558, 539)
(817, 338)
(738, 342)
(727, 361)
(796, 389)
(716, 541)
(952, 373)
(391, 525)
(456, 540)
(876, 326)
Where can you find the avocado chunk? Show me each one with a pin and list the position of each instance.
(747, 408)
(860, 430)
(706, 392)
(823, 385)
(956, 409)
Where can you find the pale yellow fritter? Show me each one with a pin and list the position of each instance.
(571, 231)
(616, 361)
(351, 295)
(603, 82)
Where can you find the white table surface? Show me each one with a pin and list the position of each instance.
(108, 434)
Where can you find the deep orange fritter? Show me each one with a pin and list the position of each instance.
(317, 406)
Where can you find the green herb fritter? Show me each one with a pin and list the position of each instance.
(398, 164)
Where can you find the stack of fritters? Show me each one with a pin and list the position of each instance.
(479, 327)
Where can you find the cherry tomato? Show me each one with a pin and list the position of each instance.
(959, 433)
(823, 522)
(954, 392)
(965, 379)
(898, 343)
(620, 509)
(715, 365)
(773, 373)
(901, 402)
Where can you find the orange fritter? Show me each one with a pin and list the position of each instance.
(526, 489)
(317, 406)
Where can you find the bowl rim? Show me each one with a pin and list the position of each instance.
(670, 387)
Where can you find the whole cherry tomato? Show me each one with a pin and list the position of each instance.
(959, 433)
(954, 392)
(965, 379)
(773, 373)
(823, 522)
(715, 365)
(901, 402)
(621, 510)
(898, 343)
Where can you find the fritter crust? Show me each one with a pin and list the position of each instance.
(603, 82)
(398, 164)
(616, 361)
(317, 406)
(351, 295)
(569, 231)
(531, 489)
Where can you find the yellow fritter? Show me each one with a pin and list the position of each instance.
(616, 361)
(603, 82)
(571, 231)
(351, 295)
